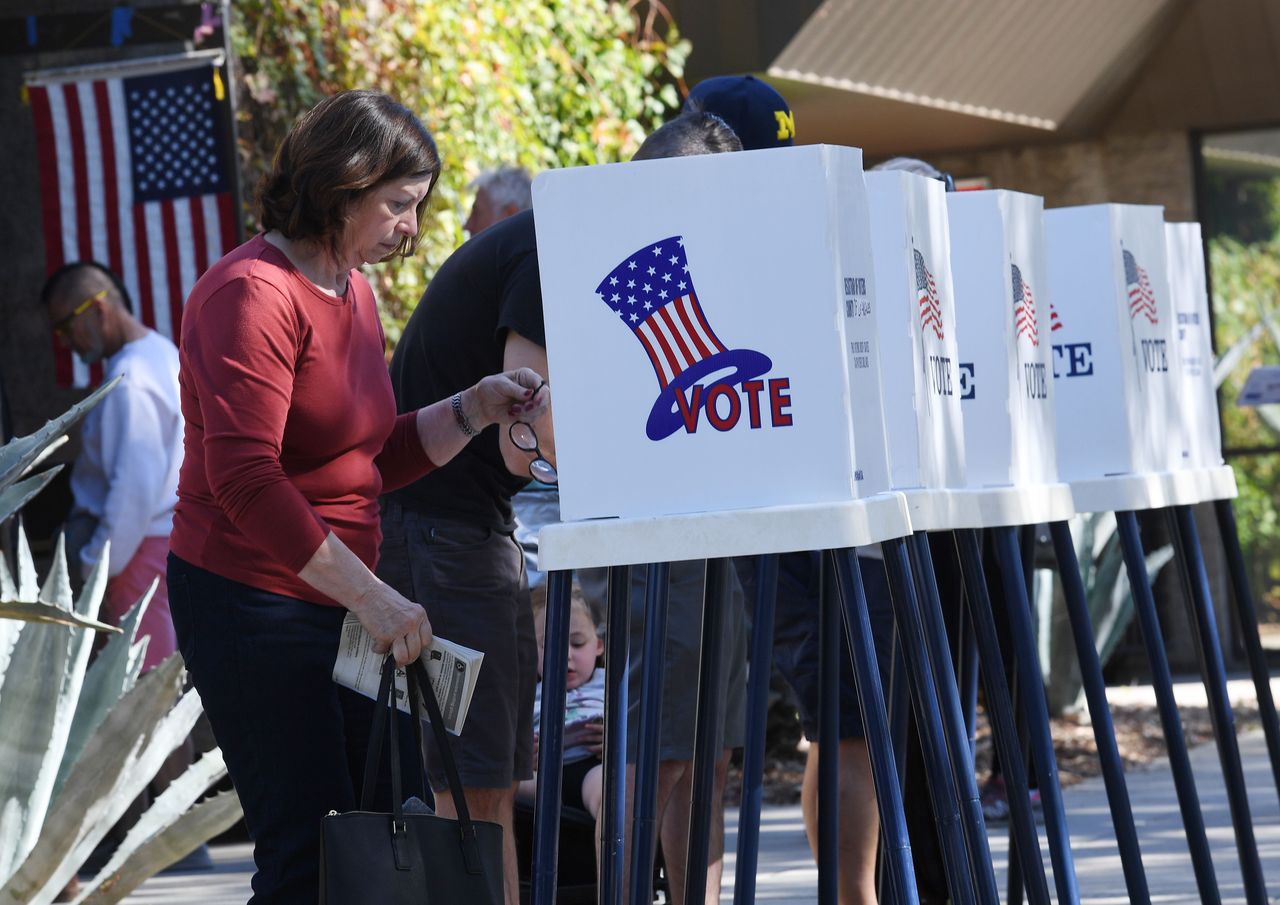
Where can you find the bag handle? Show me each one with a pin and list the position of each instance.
(384, 707)
(417, 677)
(466, 829)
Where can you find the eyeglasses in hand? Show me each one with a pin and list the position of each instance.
(523, 436)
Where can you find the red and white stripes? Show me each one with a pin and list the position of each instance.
(159, 248)
(677, 336)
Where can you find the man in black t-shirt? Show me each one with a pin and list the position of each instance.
(448, 538)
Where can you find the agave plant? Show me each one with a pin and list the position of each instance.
(78, 740)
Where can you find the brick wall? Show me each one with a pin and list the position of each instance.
(1150, 168)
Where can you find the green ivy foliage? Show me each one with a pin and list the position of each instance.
(1246, 297)
(540, 83)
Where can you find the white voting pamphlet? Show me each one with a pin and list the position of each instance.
(1261, 387)
(452, 668)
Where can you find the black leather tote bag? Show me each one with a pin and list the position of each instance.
(408, 859)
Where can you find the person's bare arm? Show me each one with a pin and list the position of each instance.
(521, 352)
(497, 399)
(396, 624)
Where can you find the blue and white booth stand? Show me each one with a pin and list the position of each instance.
(1133, 435)
(1011, 382)
(1003, 313)
(923, 457)
(957, 301)
(703, 317)
(767, 352)
(1203, 448)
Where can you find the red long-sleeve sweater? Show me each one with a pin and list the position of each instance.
(291, 426)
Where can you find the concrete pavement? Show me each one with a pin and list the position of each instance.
(787, 875)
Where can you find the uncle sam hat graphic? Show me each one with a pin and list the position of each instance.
(652, 292)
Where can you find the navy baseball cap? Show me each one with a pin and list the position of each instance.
(752, 108)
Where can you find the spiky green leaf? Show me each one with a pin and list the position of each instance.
(149, 845)
(39, 690)
(113, 672)
(21, 453)
(16, 496)
(49, 615)
(23, 601)
(116, 764)
(207, 819)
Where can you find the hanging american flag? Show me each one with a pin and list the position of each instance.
(927, 296)
(135, 173)
(1024, 308)
(1142, 301)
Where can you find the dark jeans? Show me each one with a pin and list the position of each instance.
(294, 741)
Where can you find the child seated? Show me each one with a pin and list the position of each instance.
(582, 776)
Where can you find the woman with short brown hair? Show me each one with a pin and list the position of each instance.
(292, 434)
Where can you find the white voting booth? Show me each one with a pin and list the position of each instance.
(703, 318)
(1189, 297)
(1003, 311)
(1203, 475)
(1117, 366)
(916, 322)
(921, 331)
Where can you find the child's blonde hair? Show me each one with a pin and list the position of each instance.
(577, 600)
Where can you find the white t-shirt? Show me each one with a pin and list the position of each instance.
(127, 474)
(586, 702)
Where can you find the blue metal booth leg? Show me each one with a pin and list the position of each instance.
(748, 857)
(1104, 732)
(966, 660)
(546, 837)
(1249, 629)
(884, 771)
(1184, 783)
(899, 703)
(828, 736)
(614, 807)
(706, 742)
(942, 784)
(955, 735)
(1036, 710)
(1000, 715)
(644, 825)
(1213, 670)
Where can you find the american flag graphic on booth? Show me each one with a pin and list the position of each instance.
(1024, 308)
(927, 297)
(1142, 300)
(652, 293)
(1055, 322)
(135, 174)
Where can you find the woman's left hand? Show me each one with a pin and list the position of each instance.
(518, 395)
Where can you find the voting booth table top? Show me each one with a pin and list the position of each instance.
(770, 351)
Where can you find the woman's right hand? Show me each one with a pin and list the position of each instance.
(397, 624)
